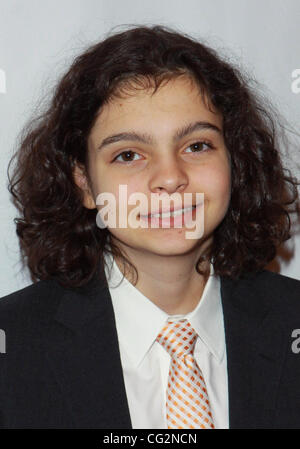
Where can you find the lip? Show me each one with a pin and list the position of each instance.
(172, 209)
(178, 221)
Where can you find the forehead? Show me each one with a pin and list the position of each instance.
(140, 106)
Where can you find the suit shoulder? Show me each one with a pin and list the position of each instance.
(267, 286)
(281, 283)
(270, 281)
(264, 292)
(42, 295)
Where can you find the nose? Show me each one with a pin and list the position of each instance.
(168, 176)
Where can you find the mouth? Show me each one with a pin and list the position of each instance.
(170, 213)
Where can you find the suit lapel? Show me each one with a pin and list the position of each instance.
(256, 351)
(84, 357)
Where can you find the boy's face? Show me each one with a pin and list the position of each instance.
(163, 165)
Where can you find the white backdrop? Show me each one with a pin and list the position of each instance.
(39, 38)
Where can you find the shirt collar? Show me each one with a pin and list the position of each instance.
(139, 320)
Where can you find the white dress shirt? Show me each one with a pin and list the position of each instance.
(146, 363)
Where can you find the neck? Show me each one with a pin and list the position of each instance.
(170, 282)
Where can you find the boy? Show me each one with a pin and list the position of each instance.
(201, 338)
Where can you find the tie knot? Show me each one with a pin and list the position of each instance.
(178, 338)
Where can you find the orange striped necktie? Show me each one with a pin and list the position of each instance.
(187, 404)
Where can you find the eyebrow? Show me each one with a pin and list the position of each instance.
(148, 139)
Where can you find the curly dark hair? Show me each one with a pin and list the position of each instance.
(59, 237)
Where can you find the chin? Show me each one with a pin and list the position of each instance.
(170, 247)
(162, 242)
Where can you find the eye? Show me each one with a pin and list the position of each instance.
(199, 147)
(127, 154)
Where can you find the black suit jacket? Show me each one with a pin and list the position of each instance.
(62, 366)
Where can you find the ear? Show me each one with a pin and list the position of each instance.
(80, 179)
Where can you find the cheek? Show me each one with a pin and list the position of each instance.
(134, 186)
(103, 180)
(215, 182)
(122, 190)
